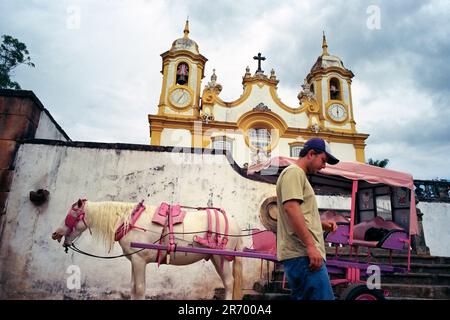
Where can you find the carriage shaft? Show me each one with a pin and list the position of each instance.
(245, 254)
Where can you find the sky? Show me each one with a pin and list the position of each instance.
(98, 63)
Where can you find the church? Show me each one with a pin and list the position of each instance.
(257, 125)
(43, 172)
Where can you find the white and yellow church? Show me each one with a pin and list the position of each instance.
(257, 125)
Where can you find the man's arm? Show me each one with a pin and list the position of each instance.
(297, 220)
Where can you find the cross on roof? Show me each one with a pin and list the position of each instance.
(259, 58)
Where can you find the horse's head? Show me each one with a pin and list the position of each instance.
(73, 225)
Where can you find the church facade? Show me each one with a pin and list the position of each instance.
(257, 125)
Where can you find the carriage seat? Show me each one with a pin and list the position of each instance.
(379, 233)
(263, 241)
(332, 215)
(341, 235)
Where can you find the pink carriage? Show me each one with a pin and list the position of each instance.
(368, 225)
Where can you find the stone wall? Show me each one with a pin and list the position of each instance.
(33, 265)
(21, 116)
(436, 226)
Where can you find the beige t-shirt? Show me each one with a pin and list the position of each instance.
(293, 184)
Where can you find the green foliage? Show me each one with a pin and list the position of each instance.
(12, 54)
(378, 163)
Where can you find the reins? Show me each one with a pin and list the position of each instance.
(71, 222)
(74, 248)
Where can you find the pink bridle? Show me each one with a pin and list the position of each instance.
(71, 221)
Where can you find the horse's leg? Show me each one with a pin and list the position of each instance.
(138, 275)
(225, 273)
(132, 277)
(133, 287)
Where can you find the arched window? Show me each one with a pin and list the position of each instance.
(259, 138)
(295, 150)
(335, 89)
(182, 73)
(312, 88)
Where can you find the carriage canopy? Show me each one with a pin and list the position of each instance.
(349, 172)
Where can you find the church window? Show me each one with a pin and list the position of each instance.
(182, 73)
(335, 89)
(259, 138)
(295, 150)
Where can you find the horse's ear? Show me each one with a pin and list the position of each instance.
(79, 203)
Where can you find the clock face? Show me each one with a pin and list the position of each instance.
(337, 112)
(180, 97)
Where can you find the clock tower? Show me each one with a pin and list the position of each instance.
(331, 82)
(183, 69)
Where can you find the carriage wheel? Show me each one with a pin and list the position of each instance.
(361, 292)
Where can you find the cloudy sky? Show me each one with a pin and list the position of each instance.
(98, 63)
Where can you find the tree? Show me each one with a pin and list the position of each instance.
(378, 163)
(12, 54)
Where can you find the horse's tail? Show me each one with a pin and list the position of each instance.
(237, 273)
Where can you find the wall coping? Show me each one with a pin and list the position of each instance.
(30, 95)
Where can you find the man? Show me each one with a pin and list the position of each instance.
(300, 243)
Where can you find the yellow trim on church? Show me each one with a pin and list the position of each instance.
(277, 100)
(212, 98)
(239, 101)
(311, 111)
(255, 119)
(352, 118)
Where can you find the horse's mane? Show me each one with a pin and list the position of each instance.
(105, 217)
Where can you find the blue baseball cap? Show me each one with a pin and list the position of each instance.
(321, 145)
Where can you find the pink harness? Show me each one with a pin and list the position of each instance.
(71, 221)
(167, 216)
(215, 242)
(135, 214)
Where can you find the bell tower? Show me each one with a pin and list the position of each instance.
(331, 82)
(183, 69)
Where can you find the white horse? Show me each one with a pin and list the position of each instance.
(104, 218)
